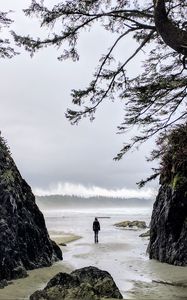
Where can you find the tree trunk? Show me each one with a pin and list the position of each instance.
(172, 35)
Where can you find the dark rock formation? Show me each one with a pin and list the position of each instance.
(88, 283)
(168, 233)
(24, 240)
(131, 224)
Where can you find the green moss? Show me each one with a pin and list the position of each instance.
(179, 181)
(8, 176)
(4, 146)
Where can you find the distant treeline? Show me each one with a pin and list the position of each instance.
(75, 201)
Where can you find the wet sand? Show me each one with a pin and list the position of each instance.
(22, 288)
(37, 279)
(135, 274)
(120, 252)
(65, 238)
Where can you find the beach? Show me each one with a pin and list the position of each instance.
(121, 252)
(37, 279)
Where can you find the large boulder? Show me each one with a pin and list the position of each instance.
(24, 240)
(168, 233)
(89, 283)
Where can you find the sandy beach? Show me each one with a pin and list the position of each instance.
(121, 252)
(65, 238)
(37, 279)
(136, 276)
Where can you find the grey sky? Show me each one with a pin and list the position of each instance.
(48, 151)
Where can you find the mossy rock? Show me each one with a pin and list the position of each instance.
(89, 283)
(179, 181)
(131, 224)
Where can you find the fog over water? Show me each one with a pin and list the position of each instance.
(91, 191)
(104, 204)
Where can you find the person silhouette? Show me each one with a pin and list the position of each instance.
(96, 228)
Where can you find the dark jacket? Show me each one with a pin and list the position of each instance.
(96, 225)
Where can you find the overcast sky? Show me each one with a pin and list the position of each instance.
(52, 155)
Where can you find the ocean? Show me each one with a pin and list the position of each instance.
(79, 220)
(121, 252)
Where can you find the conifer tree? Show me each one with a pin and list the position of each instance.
(155, 99)
(6, 50)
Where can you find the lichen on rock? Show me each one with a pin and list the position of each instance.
(131, 224)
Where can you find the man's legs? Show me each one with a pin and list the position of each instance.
(96, 236)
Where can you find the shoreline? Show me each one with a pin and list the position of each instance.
(22, 288)
(124, 258)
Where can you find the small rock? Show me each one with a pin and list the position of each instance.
(145, 234)
(19, 272)
(3, 283)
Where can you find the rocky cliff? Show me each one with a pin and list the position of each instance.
(168, 233)
(24, 240)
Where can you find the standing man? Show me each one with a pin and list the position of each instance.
(96, 228)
